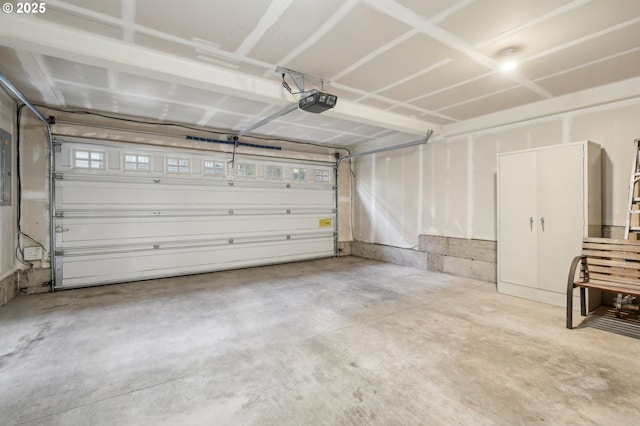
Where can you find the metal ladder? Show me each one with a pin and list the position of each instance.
(632, 225)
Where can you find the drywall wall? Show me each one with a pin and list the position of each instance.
(34, 218)
(8, 262)
(388, 199)
(451, 182)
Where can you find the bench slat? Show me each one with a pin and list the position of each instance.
(612, 241)
(607, 285)
(612, 263)
(631, 248)
(611, 270)
(614, 278)
(610, 287)
(611, 254)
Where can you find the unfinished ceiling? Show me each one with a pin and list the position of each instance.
(399, 67)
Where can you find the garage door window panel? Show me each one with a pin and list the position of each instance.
(273, 172)
(181, 166)
(137, 162)
(299, 174)
(93, 160)
(322, 176)
(213, 168)
(246, 170)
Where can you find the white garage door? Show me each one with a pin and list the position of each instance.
(127, 212)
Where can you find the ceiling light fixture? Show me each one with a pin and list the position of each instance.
(509, 65)
(508, 62)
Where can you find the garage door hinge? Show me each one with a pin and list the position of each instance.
(230, 211)
(230, 240)
(288, 211)
(288, 185)
(288, 237)
(59, 253)
(58, 176)
(59, 213)
(156, 213)
(230, 183)
(60, 229)
(156, 246)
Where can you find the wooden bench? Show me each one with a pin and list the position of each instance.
(607, 265)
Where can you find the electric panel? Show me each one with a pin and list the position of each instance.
(5, 168)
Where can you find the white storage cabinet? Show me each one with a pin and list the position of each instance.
(548, 200)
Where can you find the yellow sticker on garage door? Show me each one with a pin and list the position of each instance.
(326, 223)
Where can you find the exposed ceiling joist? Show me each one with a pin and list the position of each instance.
(26, 34)
(608, 94)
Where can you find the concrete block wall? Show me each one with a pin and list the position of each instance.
(344, 248)
(28, 281)
(32, 281)
(469, 258)
(456, 256)
(459, 256)
(8, 288)
(390, 254)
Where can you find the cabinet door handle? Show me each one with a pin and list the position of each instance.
(542, 223)
(531, 223)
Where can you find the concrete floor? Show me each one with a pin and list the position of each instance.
(345, 341)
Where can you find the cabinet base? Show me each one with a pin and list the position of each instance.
(549, 297)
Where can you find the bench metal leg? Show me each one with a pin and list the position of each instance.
(570, 307)
(570, 286)
(583, 302)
